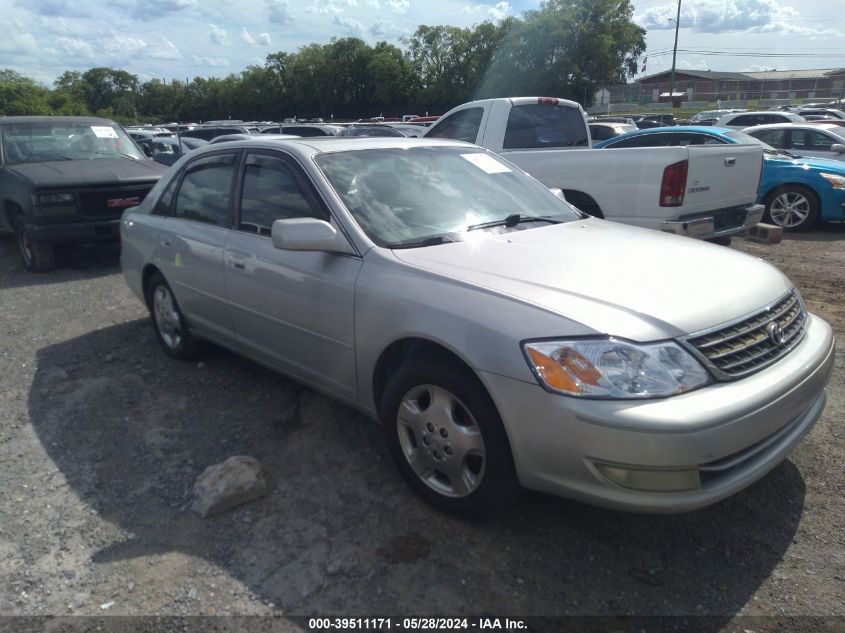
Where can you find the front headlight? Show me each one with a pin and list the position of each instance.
(55, 198)
(838, 182)
(610, 368)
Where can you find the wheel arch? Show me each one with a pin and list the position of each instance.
(413, 346)
(584, 201)
(11, 210)
(783, 185)
(147, 273)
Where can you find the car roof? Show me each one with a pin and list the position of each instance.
(708, 130)
(797, 125)
(309, 146)
(56, 119)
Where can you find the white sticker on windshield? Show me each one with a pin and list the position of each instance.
(101, 131)
(486, 162)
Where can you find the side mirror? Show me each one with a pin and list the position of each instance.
(148, 151)
(558, 193)
(839, 148)
(309, 234)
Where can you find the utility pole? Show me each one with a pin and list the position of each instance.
(674, 54)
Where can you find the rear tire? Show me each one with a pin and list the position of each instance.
(447, 438)
(170, 325)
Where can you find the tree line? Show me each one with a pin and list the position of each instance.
(565, 48)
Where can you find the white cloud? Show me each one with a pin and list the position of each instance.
(123, 45)
(278, 12)
(19, 44)
(217, 35)
(264, 39)
(730, 16)
(75, 47)
(399, 6)
(67, 8)
(216, 62)
(351, 26)
(497, 12)
(246, 38)
(162, 48)
(384, 29)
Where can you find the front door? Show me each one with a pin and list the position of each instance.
(291, 309)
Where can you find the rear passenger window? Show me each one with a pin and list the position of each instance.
(541, 125)
(742, 120)
(775, 138)
(271, 192)
(461, 126)
(206, 190)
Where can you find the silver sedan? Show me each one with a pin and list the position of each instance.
(502, 338)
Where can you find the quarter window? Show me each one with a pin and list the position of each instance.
(271, 192)
(811, 139)
(165, 200)
(205, 192)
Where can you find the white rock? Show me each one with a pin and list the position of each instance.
(223, 486)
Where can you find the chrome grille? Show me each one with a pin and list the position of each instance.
(742, 348)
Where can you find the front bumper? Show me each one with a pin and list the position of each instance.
(720, 223)
(100, 230)
(731, 433)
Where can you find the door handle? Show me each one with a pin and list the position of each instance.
(236, 262)
(730, 162)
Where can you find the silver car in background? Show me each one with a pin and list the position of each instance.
(502, 338)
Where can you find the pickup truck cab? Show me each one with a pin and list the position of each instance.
(67, 179)
(705, 191)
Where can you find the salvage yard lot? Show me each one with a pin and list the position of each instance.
(102, 436)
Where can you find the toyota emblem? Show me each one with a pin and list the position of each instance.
(775, 332)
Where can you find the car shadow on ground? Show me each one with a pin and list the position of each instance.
(73, 261)
(339, 532)
(827, 232)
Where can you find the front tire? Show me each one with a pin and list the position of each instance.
(170, 325)
(447, 438)
(36, 255)
(792, 207)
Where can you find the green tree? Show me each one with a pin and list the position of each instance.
(21, 95)
(108, 90)
(566, 48)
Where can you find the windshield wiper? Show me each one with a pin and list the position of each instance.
(429, 241)
(514, 219)
(101, 152)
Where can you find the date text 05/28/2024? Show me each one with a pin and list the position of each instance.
(415, 624)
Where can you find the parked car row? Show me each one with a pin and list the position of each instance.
(797, 191)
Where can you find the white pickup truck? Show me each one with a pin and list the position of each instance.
(703, 191)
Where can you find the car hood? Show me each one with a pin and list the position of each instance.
(615, 279)
(827, 164)
(83, 173)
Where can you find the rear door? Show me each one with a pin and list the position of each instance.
(191, 237)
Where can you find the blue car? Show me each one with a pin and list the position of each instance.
(797, 191)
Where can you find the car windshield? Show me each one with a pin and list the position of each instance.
(51, 141)
(428, 195)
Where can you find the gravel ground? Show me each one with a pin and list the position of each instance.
(102, 436)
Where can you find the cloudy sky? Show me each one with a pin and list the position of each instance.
(182, 39)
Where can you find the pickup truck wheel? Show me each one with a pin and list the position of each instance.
(793, 207)
(37, 255)
(447, 439)
(170, 326)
